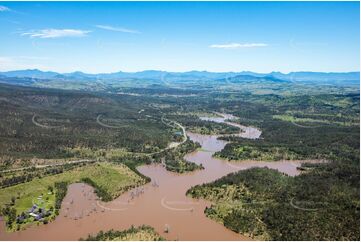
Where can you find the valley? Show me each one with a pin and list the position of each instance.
(215, 165)
(180, 121)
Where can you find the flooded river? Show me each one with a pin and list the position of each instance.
(160, 203)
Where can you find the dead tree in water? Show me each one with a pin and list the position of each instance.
(166, 228)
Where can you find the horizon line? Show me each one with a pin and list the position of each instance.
(144, 70)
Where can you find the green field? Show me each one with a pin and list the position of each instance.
(311, 122)
(109, 180)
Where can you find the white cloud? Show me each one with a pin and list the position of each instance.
(118, 29)
(4, 9)
(56, 33)
(237, 45)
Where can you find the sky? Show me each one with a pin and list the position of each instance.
(101, 37)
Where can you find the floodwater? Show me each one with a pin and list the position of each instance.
(161, 203)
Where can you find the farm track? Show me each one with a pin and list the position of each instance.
(300, 208)
(42, 125)
(107, 125)
(306, 127)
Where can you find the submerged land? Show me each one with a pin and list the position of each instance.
(197, 155)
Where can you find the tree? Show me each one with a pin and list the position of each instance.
(13, 200)
(50, 189)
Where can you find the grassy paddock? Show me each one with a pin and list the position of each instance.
(110, 181)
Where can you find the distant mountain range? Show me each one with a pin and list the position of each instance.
(323, 77)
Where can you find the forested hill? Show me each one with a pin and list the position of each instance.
(53, 123)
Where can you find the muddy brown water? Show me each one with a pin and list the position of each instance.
(161, 203)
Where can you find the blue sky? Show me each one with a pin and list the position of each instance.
(99, 37)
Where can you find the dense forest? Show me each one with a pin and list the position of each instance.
(322, 204)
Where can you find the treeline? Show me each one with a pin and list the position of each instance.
(13, 178)
(60, 191)
(10, 213)
(101, 193)
(148, 233)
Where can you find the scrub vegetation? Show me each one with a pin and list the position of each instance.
(141, 233)
(174, 160)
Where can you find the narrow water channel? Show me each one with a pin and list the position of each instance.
(160, 203)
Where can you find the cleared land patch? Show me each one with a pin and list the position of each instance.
(309, 122)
